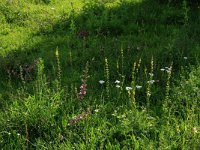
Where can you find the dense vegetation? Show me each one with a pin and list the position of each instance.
(90, 74)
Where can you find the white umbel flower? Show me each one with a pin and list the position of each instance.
(128, 88)
(151, 74)
(117, 81)
(138, 86)
(117, 86)
(185, 58)
(101, 81)
(162, 69)
(151, 81)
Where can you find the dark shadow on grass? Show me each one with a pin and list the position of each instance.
(142, 30)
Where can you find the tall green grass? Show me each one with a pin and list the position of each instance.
(48, 117)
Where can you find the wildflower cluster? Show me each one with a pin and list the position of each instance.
(78, 118)
(167, 69)
(83, 88)
(24, 72)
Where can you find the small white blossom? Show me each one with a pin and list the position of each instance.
(194, 130)
(138, 48)
(117, 86)
(96, 110)
(151, 81)
(101, 81)
(162, 69)
(150, 118)
(117, 81)
(123, 116)
(138, 86)
(18, 134)
(113, 114)
(151, 74)
(185, 58)
(168, 71)
(128, 88)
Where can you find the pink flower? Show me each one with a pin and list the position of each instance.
(83, 88)
(83, 91)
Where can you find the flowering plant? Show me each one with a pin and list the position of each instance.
(83, 88)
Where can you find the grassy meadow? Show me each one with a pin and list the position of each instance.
(99, 74)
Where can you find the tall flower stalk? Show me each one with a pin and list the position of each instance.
(84, 78)
(59, 70)
(107, 76)
(133, 85)
(167, 90)
(149, 83)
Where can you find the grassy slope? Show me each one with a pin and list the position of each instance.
(21, 21)
(141, 29)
